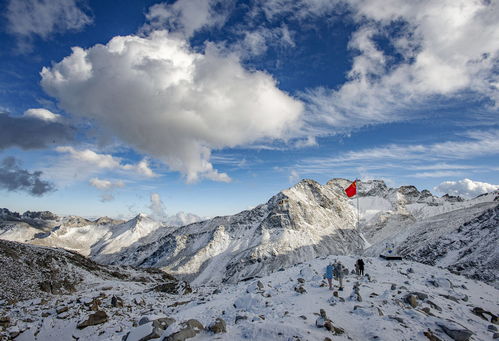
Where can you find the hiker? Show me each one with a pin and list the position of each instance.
(329, 275)
(360, 264)
(338, 273)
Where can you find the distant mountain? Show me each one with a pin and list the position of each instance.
(305, 221)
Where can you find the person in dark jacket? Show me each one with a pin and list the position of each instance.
(360, 264)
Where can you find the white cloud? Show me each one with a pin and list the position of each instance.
(88, 162)
(163, 99)
(293, 177)
(186, 16)
(157, 207)
(106, 184)
(42, 114)
(29, 18)
(441, 49)
(465, 188)
(107, 187)
(414, 157)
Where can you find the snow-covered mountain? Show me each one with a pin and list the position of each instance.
(298, 224)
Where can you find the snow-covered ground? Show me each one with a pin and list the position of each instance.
(275, 308)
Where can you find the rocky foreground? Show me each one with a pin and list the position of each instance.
(394, 301)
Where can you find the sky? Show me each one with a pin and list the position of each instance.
(213, 106)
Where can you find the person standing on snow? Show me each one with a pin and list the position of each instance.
(329, 275)
(360, 264)
(338, 273)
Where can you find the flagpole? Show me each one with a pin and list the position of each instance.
(358, 207)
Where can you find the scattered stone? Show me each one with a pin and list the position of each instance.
(328, 325)
(301, 280)
(45, 314)
(319, 323)
(421, 296)
(380, 312)
(492, 328)
(411, 300)
(393, 287)
(495, 336)
(396, 318)
(300, 289)
(62, 310)
(117, 302)
(144, 320)
(434, 305)
(4, 321)
(219, 326)
(240, 318)
(455, 332)
(98, 318)
(430, 336)
(303, 317)
(482, 312)
(410, 270)
(189, 329)
(451, 298)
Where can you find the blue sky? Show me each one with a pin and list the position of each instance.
(211, 107)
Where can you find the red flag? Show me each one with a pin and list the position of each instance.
(352, 189)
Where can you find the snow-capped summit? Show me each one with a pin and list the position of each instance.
(300, 223)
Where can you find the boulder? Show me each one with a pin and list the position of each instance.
(219, 326)
(98, 318)
(189, 329)
(412, 300)
(457, 333)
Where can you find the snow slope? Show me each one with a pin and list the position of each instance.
(271, 308)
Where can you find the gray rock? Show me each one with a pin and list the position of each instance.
(189, 329)
(492, 328)
(240, 318)
(219, 326)
(393, 287)
(456, 333)
(144, 320)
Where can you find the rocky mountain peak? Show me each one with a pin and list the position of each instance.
(5, 214)
(43, 215)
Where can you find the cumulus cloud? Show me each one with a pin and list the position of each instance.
(465, 188)
(32, 132)
(14, 178)
(42, 114)
(157, 207)
(186, 16)
(158, 212)
(161, 98)
(89, 158)
(29, 18)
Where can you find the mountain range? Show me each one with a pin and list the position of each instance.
(298, 224)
